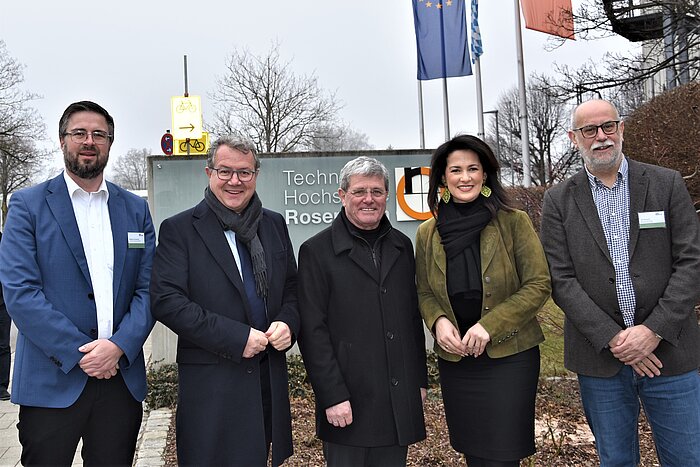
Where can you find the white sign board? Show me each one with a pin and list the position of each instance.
(187, 117)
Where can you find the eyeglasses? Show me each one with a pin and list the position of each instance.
(80, 136)
(227, 174)
(361, 193)
(590, 131)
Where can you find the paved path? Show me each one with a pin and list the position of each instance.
(149, 448)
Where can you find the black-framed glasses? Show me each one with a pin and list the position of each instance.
(590, 131)
(80, 136)
(362, 192)
(227, 174)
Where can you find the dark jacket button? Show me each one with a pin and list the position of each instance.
(91, 296)
(389, 335)
(93, 332)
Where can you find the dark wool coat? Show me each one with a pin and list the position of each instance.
(362, 336)
(196, 291)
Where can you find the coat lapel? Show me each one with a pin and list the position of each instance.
(583, 197)
(117, 218)
(60, 205)
(439, 252)
(391, 252)
(639, 184)
(209, 229)
(489, 241)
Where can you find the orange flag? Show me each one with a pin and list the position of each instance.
(549, 16)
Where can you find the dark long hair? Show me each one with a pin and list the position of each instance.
(499, 199)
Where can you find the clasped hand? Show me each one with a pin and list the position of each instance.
(448, 338)
(101, 359)
(635, 347)
(278, 335)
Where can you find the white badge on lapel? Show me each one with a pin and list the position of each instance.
(652, 220)
(136, 239)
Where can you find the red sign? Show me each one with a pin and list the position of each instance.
(166, 144)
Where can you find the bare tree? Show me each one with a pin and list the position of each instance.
(551, 155)
(130, 170)
(668, 29)
(338, 137)
(21, 128)
(261, 99)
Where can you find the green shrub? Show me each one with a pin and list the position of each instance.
(162, 386)
(299, 385)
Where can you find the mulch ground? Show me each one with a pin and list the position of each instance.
(562, 436)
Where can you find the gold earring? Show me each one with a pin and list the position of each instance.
(445, 195)
(486, 191)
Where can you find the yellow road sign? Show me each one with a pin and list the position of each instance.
(197, 146)
(187, 117)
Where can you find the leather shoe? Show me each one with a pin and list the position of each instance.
(4, 395)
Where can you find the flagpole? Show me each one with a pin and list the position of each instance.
(525, 137)
(421, 125)
(479, 99)
(446, 108)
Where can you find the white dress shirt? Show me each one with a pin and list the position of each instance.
(92, 216)
(231, 238)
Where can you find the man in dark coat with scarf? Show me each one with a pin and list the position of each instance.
(224, 280)
(362, 336)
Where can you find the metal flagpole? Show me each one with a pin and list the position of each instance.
(446, 109)
(527, 181)
(479, 99)
(421, 124)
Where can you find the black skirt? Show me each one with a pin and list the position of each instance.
(490, 404)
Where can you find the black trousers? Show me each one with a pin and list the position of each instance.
(5, 351)
(105, 416)
(339, 455)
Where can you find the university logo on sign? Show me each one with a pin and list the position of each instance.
(412, 193)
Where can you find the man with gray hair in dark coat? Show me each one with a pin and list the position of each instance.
(361, 332)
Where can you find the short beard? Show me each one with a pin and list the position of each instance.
(84, 171)
(595, 165)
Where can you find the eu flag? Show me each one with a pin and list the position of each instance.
(441, 39)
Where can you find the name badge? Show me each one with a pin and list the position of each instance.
(136, 239)
(652, 220)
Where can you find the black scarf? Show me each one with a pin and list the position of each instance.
(460, 227)
(245, 225)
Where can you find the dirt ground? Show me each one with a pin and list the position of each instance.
(562, 435)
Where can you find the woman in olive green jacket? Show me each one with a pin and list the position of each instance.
(482, 277)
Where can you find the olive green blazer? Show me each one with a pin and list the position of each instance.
(515, 280)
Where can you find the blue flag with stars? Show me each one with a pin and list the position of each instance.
(477, 49)
(441, 39)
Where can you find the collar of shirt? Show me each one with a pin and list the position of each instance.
(73, 187)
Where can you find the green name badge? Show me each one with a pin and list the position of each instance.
(652, 220)
(136, 240)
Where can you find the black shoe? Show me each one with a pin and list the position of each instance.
(4, 395)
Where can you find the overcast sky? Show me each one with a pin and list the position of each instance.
(128, 56)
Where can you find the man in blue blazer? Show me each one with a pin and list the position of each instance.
(623, 243)
(225, 280)
(75, 264)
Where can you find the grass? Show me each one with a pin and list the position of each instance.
(552, 349)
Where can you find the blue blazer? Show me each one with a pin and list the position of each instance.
(48, 292)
